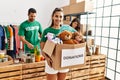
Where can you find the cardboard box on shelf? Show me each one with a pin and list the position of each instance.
(66, 9)
(83, 6)
(79, 1)
(66, 55)
(72, 2)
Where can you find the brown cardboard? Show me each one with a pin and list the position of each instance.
(77, 1)
(56, 55)
(49, 47)
(72, 2)
(83, 6)
(66, 10)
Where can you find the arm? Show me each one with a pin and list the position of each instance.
(22, 38)
(21, 33)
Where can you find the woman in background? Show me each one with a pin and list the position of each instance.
(76, 24)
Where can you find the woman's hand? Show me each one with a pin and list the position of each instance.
(49, 61)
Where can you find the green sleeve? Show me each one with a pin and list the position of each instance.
(7, 35)
(72, 29)
(21, 30)
(7, 32)
(40, 28)
(43, 38)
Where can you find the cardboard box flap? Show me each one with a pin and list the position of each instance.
(70, 46)
(72, 2)
(49, 47)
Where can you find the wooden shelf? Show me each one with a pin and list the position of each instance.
(81, 13)
(94, 69)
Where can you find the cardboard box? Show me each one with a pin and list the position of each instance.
(66, 55)
(49, 47)
(72, 2)
(79, 1)
(66, 10)
(84, 6)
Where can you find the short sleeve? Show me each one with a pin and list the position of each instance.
(72, 29)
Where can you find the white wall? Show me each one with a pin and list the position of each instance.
(15, 11)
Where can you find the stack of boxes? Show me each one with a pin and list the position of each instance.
(77, 7)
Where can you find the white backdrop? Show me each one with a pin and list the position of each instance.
(15, 11)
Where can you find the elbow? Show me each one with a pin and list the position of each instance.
(21, 38)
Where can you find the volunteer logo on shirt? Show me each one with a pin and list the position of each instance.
(32, 28)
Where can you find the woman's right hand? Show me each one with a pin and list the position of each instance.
(49, 61)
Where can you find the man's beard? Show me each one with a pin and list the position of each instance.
(31, 20)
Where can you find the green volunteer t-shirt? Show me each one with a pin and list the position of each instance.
(56, 31)
(31, 31)
(7, 35)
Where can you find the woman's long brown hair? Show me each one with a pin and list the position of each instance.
(78, 25)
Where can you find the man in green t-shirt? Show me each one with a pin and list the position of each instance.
(30, 32)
